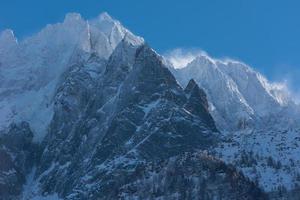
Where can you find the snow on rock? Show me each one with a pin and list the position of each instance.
(222, 91)
(258, 119)
(106, 33)
(240, 95)
(268, 156)
(7, 39)
(30, 70)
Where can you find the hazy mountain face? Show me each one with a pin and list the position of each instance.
(259, 120)
(89, 111)
(240, 97)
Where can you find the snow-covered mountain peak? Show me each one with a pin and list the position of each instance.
(251, 81)
(246, 77)
(6, 32)
(105, 16)
(238, 92)
(7, 36)
(107, 33)
(133, 40)
(32, 71)
(105, 22)
(72, 17)
(203, 59)
(8, 41)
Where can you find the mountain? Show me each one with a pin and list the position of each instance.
(90, 111)
(30, 70)
(238, 94)
(259, 120)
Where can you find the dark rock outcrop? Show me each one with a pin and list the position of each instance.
(18, 154)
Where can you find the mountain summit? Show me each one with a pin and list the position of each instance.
(258, 119)
(32, 69)
(238, 94)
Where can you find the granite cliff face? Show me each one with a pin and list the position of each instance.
(137, 114)
(18, 156)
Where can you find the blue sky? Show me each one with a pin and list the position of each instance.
(264, 34)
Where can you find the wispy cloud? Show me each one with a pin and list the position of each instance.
(292, 87)
(180, 57)
(290, 76)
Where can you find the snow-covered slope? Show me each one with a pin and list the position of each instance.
(8, 42)
(260, 119)
(30, 70)
(239, 96)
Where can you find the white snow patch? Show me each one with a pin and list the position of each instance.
(148, 107)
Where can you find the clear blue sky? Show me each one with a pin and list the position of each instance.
(262, 33)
